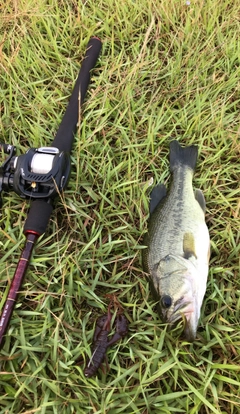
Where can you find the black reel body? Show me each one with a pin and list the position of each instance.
(40, 173)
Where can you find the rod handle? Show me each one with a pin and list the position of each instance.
(16, 283)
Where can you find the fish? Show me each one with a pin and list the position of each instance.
(177, 243)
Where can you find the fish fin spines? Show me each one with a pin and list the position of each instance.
(200, 199)
(189, 246)
(157, 195)
(186, 156)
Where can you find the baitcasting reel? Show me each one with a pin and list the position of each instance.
(40, 173)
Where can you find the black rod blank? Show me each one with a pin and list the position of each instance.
(65, 134)
(40, 210)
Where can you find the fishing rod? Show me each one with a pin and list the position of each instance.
(40, 174)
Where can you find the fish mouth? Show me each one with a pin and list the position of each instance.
(182, 307)
(185, 310)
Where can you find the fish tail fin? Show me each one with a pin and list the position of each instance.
(186, 156)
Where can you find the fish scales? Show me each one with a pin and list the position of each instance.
(175, 217)
(177, 241)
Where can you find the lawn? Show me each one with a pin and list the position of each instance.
(168, 69)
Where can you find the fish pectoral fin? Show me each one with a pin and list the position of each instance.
(189, 246)
(200, 199)
(157, 195)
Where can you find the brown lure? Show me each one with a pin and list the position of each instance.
(101, 341)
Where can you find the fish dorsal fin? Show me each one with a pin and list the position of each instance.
(189, 246)
(156, 196)
(200, 199)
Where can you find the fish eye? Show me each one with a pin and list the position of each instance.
(166, 301)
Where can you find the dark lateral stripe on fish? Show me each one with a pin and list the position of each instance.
(183, 156)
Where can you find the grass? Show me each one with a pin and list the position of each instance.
(167, 70)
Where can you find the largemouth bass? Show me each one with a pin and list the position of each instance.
(178, 243)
